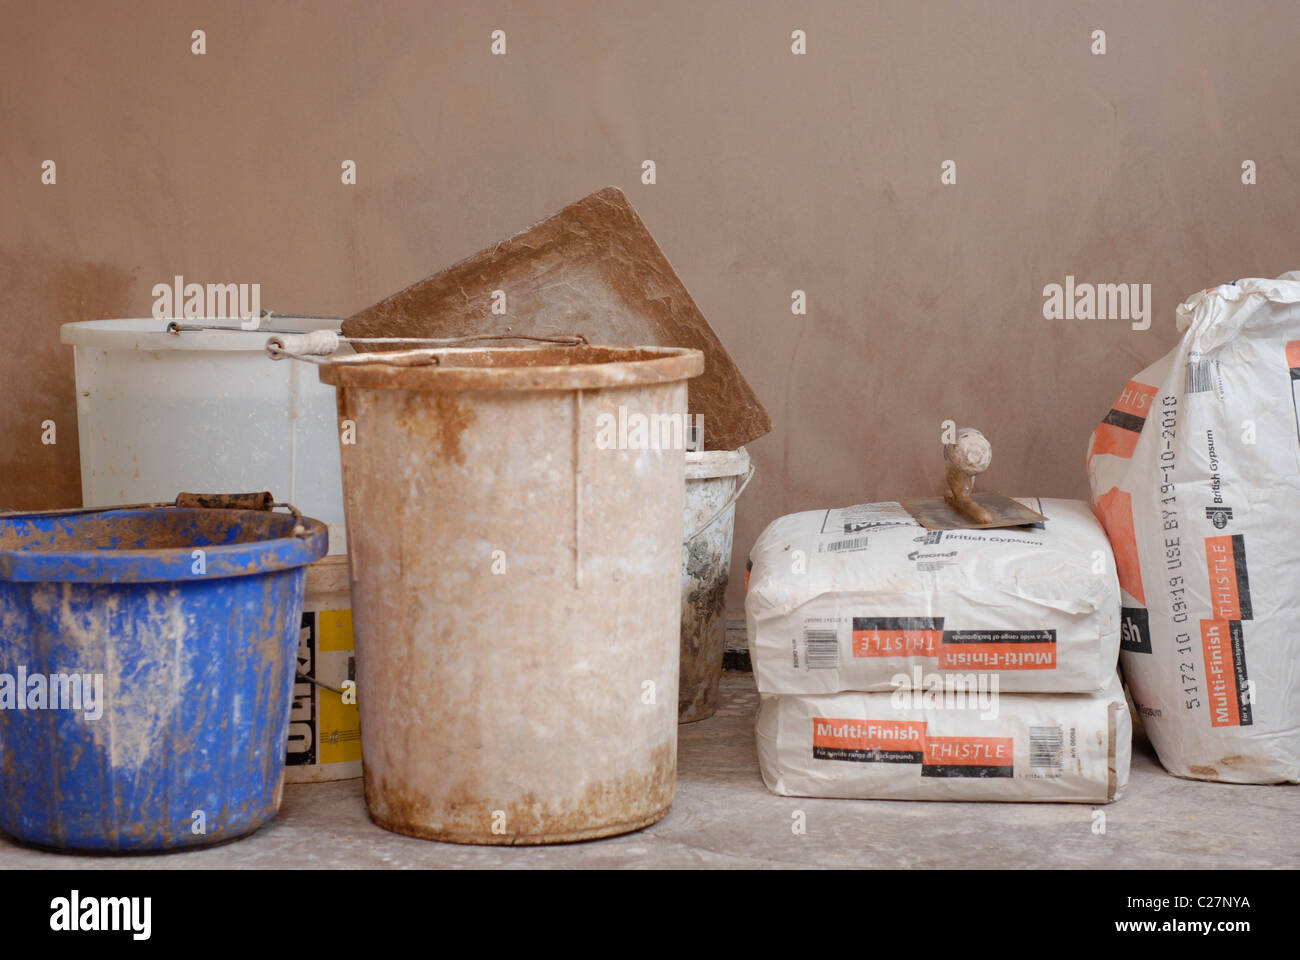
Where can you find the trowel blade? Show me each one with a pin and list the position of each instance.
(591, 269)
(934, 513)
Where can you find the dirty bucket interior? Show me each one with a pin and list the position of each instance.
(150, 544)
(141, 529)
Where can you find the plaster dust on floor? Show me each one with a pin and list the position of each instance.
(724, 817)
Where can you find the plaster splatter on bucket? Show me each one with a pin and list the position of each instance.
(715, 480)
(516, 588)
(186, 622)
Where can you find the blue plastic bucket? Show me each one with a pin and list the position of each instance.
(189, 619)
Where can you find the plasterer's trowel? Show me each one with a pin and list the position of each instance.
(591, 269)
(961, 508)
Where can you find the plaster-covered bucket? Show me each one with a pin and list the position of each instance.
(153, 649)
(516, 584)
(714, 481)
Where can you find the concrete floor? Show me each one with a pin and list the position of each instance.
(725, 817)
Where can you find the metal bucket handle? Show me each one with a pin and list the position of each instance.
(731, 500)
(263, 501)
(319, 346)
(239, 501)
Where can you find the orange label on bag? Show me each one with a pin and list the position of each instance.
(1225, 559)
(969, 751)
(1114, 509)
(1136, 399)
(869, 734)
(897, 636)
(1220, 682)
(868, 741)
(987, 649)
(1118, 432)
(995, 655)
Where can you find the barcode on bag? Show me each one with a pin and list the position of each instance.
(821, 649)
(1200, 374)
(853, 543)
(1045, 744)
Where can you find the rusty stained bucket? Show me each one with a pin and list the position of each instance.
(516, 589)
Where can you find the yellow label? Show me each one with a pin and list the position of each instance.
(335, 629)
(340, 723)
(340, 729)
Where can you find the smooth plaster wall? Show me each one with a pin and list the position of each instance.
(775, 172)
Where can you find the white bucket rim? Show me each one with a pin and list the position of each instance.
(150, 334)
(714, 464)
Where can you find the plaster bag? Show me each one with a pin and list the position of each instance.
(1195, 473)
(1038, 747)
(855, 598)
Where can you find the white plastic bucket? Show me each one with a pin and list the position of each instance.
(209, 412)
(205, 411)
(714, 481)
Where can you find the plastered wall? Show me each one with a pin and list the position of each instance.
(775, 172)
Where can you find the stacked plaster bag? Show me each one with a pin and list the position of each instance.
(1195, 473)
(897, 662)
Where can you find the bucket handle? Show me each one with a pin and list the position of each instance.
(263, 500)
(302, 675)
(319, 346)
(226, 501)
(203, 324)
(731, 500)
(190, 501)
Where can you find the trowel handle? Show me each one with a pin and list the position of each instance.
(227, 501)
(964, 460)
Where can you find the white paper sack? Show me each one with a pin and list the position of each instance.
(849, 599)
(1039, 747)
(1196, 474)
